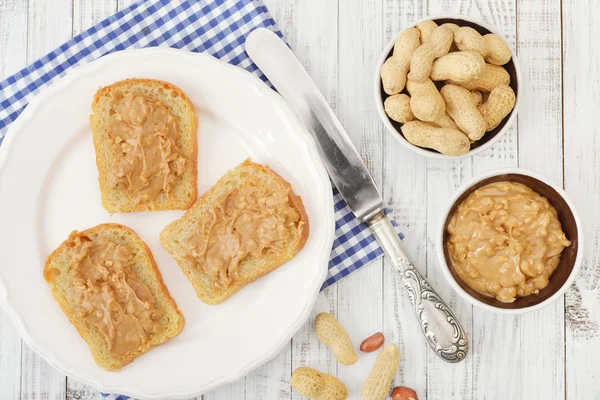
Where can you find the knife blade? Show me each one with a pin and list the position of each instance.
(345, 167)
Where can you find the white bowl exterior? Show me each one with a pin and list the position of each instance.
(260, 137)
(429, 153)
(446, 268)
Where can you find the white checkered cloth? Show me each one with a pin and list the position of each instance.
(218, 27)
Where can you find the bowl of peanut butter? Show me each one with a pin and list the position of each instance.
(510, 241)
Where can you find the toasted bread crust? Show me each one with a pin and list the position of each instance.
(209, 295)
(99, 138)
(80, 324)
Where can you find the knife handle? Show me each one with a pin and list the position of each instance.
(438, 323)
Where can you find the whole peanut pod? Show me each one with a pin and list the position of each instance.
(314, 384)
(491, 77)
(377, 385)
(436, 46)
(451, 26)
(426, 102)
(397, 107)
(460, 106)
(498, 105)
(491, 47)
(459, 66)
(333, 335)
(426, 28)
(395, 68)
(448, 141)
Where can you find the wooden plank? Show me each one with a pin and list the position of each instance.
(13, 36)
(447, 381)
(13, 56)
(540, 150)
(360, 295)
(38, 379)
(581, 68)
(89, 12)
(404, 195)
(494, 336)
(10, 358)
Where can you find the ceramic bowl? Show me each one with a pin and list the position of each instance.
(488, 140)
(570, 260)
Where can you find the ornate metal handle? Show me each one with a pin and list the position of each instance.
(442, 330)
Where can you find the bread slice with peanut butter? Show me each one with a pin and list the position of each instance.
(106, 281)
(144, 134)
(247, 225)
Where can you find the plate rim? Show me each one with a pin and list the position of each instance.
(63, 84)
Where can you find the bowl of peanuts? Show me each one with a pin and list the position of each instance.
(448, 87)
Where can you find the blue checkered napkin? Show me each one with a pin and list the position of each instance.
(354, 244)
(218, 27)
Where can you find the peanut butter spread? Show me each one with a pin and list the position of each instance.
(143, 135)
(505, 240)
(246, 222)
(109, 294)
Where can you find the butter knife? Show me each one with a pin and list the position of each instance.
(439, 325)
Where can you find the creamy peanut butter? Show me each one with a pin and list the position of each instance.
(246, 222)
(109, 294)
(505, 240)
(143, 138)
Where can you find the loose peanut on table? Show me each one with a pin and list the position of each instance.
(436, 46)
(372, 343)
(492, 47)
(459, 66)
(395, 68)
(377, 385)
(403, 393)
(397, 107)
(498, 105)
(314, 384)
(448, 141)
(333, 335)
(426, 28)
(426, 102)
(460, 106)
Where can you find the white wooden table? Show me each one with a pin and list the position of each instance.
(551, 354)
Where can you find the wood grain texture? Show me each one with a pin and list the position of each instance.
(360, 296)
(581, 85)
(496, 336)
(540, 150)
(551, 354)
(404, 186)
(447, 381)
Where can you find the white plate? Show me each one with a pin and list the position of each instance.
(48, 187)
